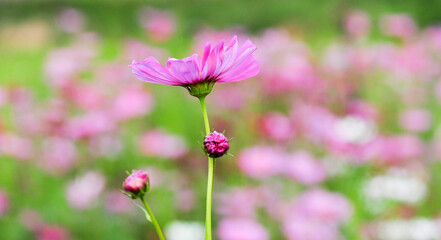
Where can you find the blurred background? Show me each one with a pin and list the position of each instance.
(338, 137)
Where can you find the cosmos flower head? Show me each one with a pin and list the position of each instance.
(216, 144)
(137, 184)
(219, 64)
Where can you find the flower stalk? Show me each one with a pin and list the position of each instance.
(210, 182)
(152, 217)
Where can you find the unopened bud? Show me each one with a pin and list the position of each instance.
(216, 144)
(137, 184)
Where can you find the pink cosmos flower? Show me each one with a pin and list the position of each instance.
(219, 64)
(328, 207)
(397, 149)
(357, 23)
(242, 229)
(53, 233)
(71, 20)
(158, 143)
(238, 202)
(16, 146)
(216, 144)
(161, 25)
(398, 25)
(302, 167)
(133, 101)
(278, 127)
(261, 161)
(58, 155)
(416, 120)
(137, 184)
(298, 228)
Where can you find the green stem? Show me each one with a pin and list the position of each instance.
(211, 164)
(152, 217)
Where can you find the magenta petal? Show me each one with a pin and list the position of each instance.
(151, 71)
(218, 64)
(186, 72)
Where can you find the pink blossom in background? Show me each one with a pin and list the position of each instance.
(398, 25)
(208, 34)
(357, 23)
(304, 168)
(413, 60)
(71, 20)
(299, 228)
(158, 143)
(314, 121)
(88, 96)
(105, 145)
(261, 161)
(327, 207)
(416, 120)
(112, 74)
(4, 203)
(433, 37)
(397, 149)
(31, 219)
(185, 199)
(63, 63)
(278, 127)
(160, 25)
(363, 109)
(54, 117)
(133, 101)
(58, 156)
(219, 64)
(53, 232)
(84, 190)
(241, 229)
(134, 49)
(232, 97)
(16, 146)
(285, 64)
(89, 125)
(238, 202)
(116, 202)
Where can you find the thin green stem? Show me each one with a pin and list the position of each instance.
(154, 221)
(211, 164)
(204, 112)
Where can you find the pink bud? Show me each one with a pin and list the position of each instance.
(137, 184)
(216, 144)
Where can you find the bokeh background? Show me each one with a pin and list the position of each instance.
(338, 137)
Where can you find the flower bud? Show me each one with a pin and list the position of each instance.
(216, 144)
(137, 184)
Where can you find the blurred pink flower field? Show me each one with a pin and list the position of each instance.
(329, 141)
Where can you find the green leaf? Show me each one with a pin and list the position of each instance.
(147, 215)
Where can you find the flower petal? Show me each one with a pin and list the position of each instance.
(187, 72)
(150, 70)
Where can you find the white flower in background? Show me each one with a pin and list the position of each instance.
(397, 185)
(413, 229)
(355, 130)
(185, 231)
